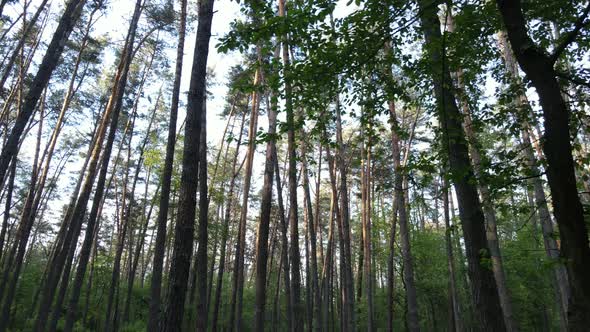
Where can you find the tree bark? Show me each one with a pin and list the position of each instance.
(539, 67)
(347, 284)
(315, 290)
(154, 317)
(184, 230)
(21, 43)
(235, 318)
(488, 208)
(50, 60)
(295, 259)
(284, 244)
(203, 236)
(366, 225)
(540, 199)
(484, 289)
(264, 224)
(77, 215)
(7, 206)
(400, 192)
(456, 319)
(225, 229)
(133, 259)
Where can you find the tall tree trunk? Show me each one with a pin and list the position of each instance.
(66, 24)
(7, 206)
(399, 200)
(550, 244)
(61, 233)
(315, 290)
(90, 275)
(25, 222)
(184, 230)
(48, 154)
(77, 214)
(91, 230)
(137, 252)
(395, 145)
(201, 257)
(489, 214)
(391, 267)
(264, 224)
(366, 225)
(347, 285)
(154, 317)
(133, 260)
(65, 279)
(539, 68)
(284, 244)
(127, 202)
(225, 229)
(328, 258)
(220, 205)
(16, 51)
(318, 226)
(456, 319)
(295, 259)
(486, 199)
(60, 123)
(484, 288)
(235, 318)
(17, 252)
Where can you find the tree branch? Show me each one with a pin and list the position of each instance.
(571, 36)
(572, 79)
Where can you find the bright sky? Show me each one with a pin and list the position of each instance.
(225, 12)
(115, 22)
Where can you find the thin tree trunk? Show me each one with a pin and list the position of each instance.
(19, 246)
(318, 226)
(112, 314)
(155, 312)
(220, 205)
(235, 318)
(210, 278)
(8, 206)
(48, 154)
(488, 209)
(540, 199)
(295, 259)
(489, 213)
(307, 276)
(76, 218)
(400, 198)
(315, 290)
(184, 230)
(91, 273)
(135, 258)
(344, 224)
(391, 266)
(484, 288)
(201, 257)
(456, 319)
(264, 224)
(328, 260)
(225, 229)
(29, 28)
(539, 68)
(367, 239)
(139, 246)
(284, 244)
(66, 24)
